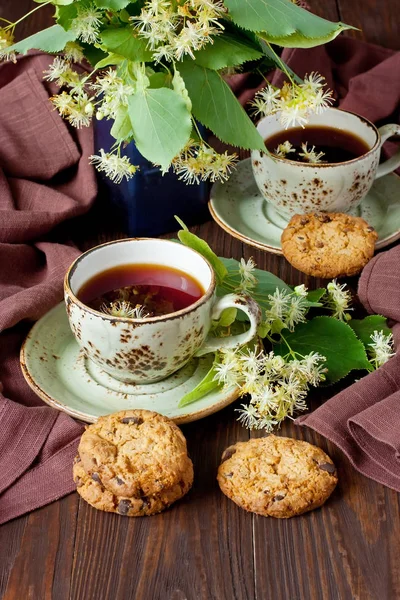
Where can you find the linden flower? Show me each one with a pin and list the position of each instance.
(310, 155)
(338, 299)
(381, 348)
(279, 304)
(246, 271)
(6, 40)
(87, 23)
(199, 162)
(78, 109)
(284, 149)
(278, 388)
(60, 71)
(124, 309)
(174, 30)
(294, 102)
(114, 166)
(114, 94)
(74, 52)
(266, 101)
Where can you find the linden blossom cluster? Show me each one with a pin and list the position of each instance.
(175, 30)
(293, 102)
(279, 384)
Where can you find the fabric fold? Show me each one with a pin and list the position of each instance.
(45, 179)
(364, 419)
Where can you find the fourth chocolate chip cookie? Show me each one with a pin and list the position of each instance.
(328, 245)
(276, 476)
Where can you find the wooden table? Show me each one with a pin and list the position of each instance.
(206, 548)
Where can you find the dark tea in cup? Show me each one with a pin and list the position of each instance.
(331, 144)
(145, 290)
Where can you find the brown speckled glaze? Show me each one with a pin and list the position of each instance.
(297, 188)
(148, 350)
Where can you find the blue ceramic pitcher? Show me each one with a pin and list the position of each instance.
(148, 202)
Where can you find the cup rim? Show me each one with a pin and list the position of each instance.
(170, 316)
(331, 165)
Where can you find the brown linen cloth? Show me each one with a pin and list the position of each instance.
(364, 419)
(45, 179)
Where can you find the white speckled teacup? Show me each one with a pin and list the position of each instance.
(294, 187)
(150, 349)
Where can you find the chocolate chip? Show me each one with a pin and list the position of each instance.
(124, 507)
(96, 477)
(77, 459)
(304, 221)
(120, 481)
(319, 244)
(228, 453)
(300, 237)
(78, 482)
(370, 229)
(277, 498)
(229, 475)
(325, 219)
(135, 420)
(329, 467)
(146, 502)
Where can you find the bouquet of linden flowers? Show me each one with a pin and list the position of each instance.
(309, 338)
(158, 69)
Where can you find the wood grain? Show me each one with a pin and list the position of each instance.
(205, 547)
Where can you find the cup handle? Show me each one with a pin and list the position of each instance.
(242, 302)
(392, 163)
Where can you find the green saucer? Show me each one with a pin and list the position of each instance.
(239, 208)
(56, 369)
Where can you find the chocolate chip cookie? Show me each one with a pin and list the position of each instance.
(328, 245)
(276, 476)
(136, 454)
(93, 492)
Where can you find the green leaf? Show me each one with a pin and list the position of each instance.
(364, 328)
(207, 385)
(331, 338)
(227, 51)
(267, 284)
(110, 59)
(216, 107)
(52, 39)
(125, 42)
(314, 296)
(284, 23)
(93, 55)
(66, 14)
(112, 4)
(227, 317)
(122, 128)
(161, 124)
(192, 241)
(277, 61)
(159, 80)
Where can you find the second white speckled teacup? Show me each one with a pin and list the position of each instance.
(295, 187)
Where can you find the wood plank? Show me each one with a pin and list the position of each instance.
(378, 22)
(41, 568)
(328, 9)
